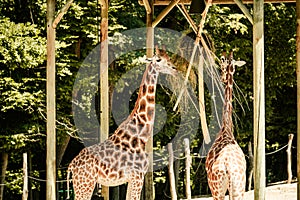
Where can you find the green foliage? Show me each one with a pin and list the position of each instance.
(15, 182)
(22, 55)
(23, 74)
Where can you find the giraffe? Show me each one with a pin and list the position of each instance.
(122, 157)
(225, 163)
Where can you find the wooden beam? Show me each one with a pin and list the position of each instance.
(147, 6)
(188, 17)
(259, 100)
(51, 112)
(251, 1)
(62, 12)
(245, 10)
(188, 2)
(104, 87)
(148, 184)
(172, 4)
(298, 92)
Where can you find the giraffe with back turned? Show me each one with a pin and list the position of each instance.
(122, 157)
(225, 163)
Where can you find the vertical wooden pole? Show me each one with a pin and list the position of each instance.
(171, 173)
(51, 113)
(298, 92)
(25, 177)
(259, 100)
(4, 163)
(251, 164)
(104, 87)
(149, 186)
(187, 169)
(289, 158)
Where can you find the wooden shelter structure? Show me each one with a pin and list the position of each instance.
(258, 71)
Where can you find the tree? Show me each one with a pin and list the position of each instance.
(22, 55)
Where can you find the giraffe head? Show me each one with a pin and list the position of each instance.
(162, 63)
(228, 67)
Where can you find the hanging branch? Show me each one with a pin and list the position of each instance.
(198, 39)
(196, 46)
(61, 13)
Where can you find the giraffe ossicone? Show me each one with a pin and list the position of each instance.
(225, 163)
(122, 157)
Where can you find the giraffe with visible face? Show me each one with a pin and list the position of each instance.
(225, 163)
(122, 157)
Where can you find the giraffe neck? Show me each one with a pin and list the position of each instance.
(140, 122)
(227, 109)
(144, 108)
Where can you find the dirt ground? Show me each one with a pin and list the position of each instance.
(275, 192)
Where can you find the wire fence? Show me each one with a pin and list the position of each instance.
(62, 174)
(194, 155)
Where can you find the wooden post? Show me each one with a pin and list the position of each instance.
(187, 169)
(149, 186)
(259, 100)
(298, 93)
(104, 87)
(171, 173)
(4, 163)
(251, 164)
(289, 158)
(51, 112)
(25, 177)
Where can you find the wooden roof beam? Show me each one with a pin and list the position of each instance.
(147, 6)
(188, 2)
(188, 18)
(171, 5)
(244, 10)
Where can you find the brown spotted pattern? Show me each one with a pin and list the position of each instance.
(122, 157)
(225, 162)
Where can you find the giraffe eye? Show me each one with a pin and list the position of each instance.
(158, 60)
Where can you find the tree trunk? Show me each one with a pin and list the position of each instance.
(61, 150)
(4, 161)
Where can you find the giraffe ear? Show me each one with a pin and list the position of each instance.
(239, 63)
(157, 51)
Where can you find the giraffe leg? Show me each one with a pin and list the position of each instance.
(135, 186)
(218, 184)
(236, 187)
(83, 187)
(237, 176)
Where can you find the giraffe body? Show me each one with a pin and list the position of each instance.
(122, 157)
(225, 162)
(110, 165)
